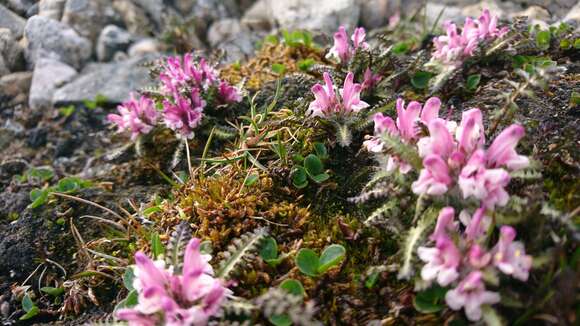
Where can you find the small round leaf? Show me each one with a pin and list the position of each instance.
(331, 256)
(307, 262)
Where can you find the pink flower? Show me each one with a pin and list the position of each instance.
(434, 178)
(485, 184)
(138, 116)
(477, 225)
(502, 151)
(228, 93)
(327, 103)
(370, 80)
(471, 295)
(442, 262)
(477, 257)
(179, 300)
(406, 127)
(470, 133)
(444, 223)
(487, 26)
(439, 141)
(453, 47)
(510, 257)
(185, 114)
(342, 48)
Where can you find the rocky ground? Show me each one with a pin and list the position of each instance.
(65, 64)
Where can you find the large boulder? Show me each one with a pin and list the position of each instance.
(51, 8)
(134, 17)
(12, 21)
(112, 40)
(87, 17)
(11, 52)
(49, 74)
(323, 15)
(113, 80)
(50, 38)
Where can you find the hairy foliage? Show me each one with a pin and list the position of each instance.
(240, 252)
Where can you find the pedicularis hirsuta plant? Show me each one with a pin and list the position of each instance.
(457, 175)
(186, 86)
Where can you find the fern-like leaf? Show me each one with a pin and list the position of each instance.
(239, 252)
(405, 151)
(176, 246)
(412, 240)
(278, 302)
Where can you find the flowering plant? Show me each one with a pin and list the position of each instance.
(461, 254)
(342, 49)
(186, 88)
(166, 298)
(328, 103)
(454, 47)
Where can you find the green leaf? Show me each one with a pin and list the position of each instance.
(307, 262)
(38, 197)
(27, 303)
(150, 210)
(205, 247)
(305, 64)
(128, 278)
(271, 39)
(431, 300)
(473, 82)
(280, 320)
(131, 300)
(299, 177)
(55, 292)
(251, 179)
(543, 40)
(43, 174)
(331, 256)
(69, 184)
(400, 48)
(320, 178)
(321, 151)
(574, 99)
(293, 287)
(279, 68)
(269, 249)
(421, 79)
(157, 247)
(372, 280)
(67, 111)
(313, 165)
(31, 313)
(577, 43)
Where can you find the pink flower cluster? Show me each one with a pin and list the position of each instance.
(342, 48)
(186, 81)
(175, 300)
(453, 48)
(405, 128)
(481, 174)
(137, 116)
(184, 84)
(461, 255)
(447, 160)
(327, 103)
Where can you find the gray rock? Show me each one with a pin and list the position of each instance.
(111, 40)
(154, 9)
(134, 18)
(11, 51)
(32, 10)
(48, 75)
(574, 14)
(3, 67)
(12, 21)
(16, 84)
(50, 38)
(323, 15)
(112, 80)
(51, 8)
(450, 13)
(224, 30)
(143, 47)
(257, 16)
(87, 17)
(376, 13)
(206, 12)
(20, 6)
